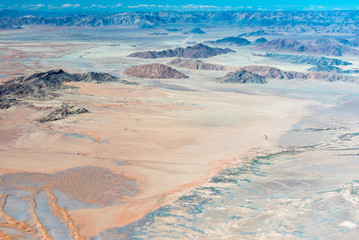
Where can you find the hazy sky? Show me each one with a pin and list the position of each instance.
(136, 5)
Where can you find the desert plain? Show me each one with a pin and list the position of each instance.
(144, 143)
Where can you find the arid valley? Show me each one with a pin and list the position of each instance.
(181, 130)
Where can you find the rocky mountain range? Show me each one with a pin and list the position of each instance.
(269, 72)
(195, 64)
(267, 21)
(323, 46)
(196, 51)
(45, 85)
(305, 59)
(154, 70)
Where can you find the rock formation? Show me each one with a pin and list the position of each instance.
(268, 72)
(196, 51)
(260, 40)
(255, 33)
(304, 59)
(45, 84)
(276, 73)
(232, 41)
(321, 46)
(154, 70)
(62, 112)
(243, 76)
(195, 64)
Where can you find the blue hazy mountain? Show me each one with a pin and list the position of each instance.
(284, 21)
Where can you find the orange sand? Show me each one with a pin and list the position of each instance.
(171, 141)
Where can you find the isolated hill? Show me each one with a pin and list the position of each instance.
(320, 46)
(154, 70)
(232, 41)
(196, 51)
(243, 76)
(260, 40)
(195, 31)
(45, 84)
(195, 64)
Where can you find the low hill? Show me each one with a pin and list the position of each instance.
(154, 70)
(196, 51)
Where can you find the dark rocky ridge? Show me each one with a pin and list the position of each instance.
(232, 41)
(320, 46)
(276, 73)
(154, 70)
(303, 59)
(45, 85)
(195, 64)
(196, 51)
(243, 76)
(255, 33)
(325, 68)
(269, 72)
(62, 112)
(352, 43)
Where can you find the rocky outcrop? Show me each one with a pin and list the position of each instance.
(283, 45)
(195, 31)
(269, 72)
(325, 68)
(276, 73)
(304, 59)
(62, 112)
(232, 41)
(196, 51)
(320, 46)
(154, 70)
(243, 76)
(195, 64)
(45, 84)
(255, 33)
(37, 83)
(352, 43)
